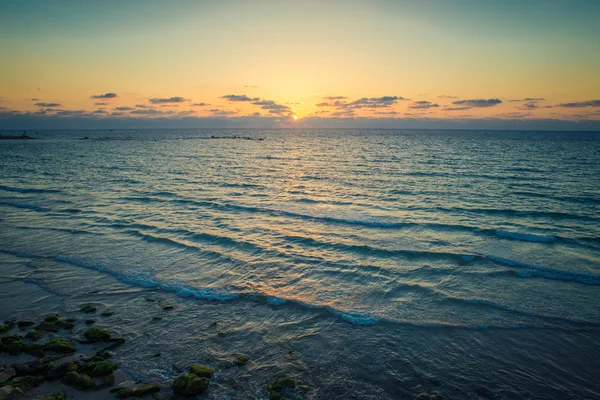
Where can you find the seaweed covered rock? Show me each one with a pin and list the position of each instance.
(97, 334)
(88, 308)
(98, 368)
(24, 324)
(201, 371)
(34, 349)
(59, 395)
(59, 345)
(51, 318)
(279, 386)
(34, 335)
(57, 371)
(15, 348)
(78, 381)
(241, 360)
(47, 326)
(6, 327)
(107, 313)
(190, 384)
(65, 324)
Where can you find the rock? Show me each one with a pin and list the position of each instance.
(138, 391)
(15, 348)
(34, 335)
(30, 368)
(274, 395)
(51, 318)
(98, 368)
(107, 313)
(24, 324)
(57, 371)
(6, 327)
(68, 325)
(282, 383)
(88, 308)
(97, 334)
(156, 318)
(149, 299)
(90, 321)
(78, 381)
(107, 381)
(190, 385)
(167, 307)
(59, 395)
(34, 349)
(8, 392)
(484, 392)
(241, 360)
(60, 345)
(304, 388)
(201, 371)
(6, 374)
(47, 326)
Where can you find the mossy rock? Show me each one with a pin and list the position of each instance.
(107, 313)
(15, 348)
(47, 326)
(51, 318)
(24, 324)
(88, 308)
(60, 345)
(6, 327)
(78, 381)
(201, 371)
(34, 335)
(190, 385)
(98, 368)
(241, 360)
(90, 321)
(274, 395)
(282, 384)
(72, 367)
(138, 391)
(156, 318)
(34, 349)
(167, 307)
(68, 325)
(97, 334)
(59, 395)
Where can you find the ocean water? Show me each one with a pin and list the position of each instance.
(367, 264)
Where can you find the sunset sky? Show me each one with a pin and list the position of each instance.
(298, 63)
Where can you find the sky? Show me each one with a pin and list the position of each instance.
(301, 63)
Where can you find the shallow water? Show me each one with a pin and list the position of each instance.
(373, 264)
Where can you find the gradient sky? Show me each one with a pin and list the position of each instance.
(382, 60)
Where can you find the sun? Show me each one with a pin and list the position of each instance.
(295, 117)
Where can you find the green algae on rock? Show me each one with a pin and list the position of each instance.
(138, 391)
(190, 384)
(241, 360)
(24, 324)
(65, 324)
(201, 371)
(98, 368)
(34, 349)
(51, 318)
(34, 335)
(59, 345)
(88, 308)
(107, 313)
(97, 334)
(58, 395)
(15, 348)
(78, 381)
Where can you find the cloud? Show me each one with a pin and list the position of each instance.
(445, 96)
(147, 111)
(456, 108)
(324, 104)
(239, 97)
(48, 105)
(251, 86)
(200, 105)
(169, 105)
(478, 102)
(162, 100)
(387, 112)
(217, 111)
(529, 106)
(143, 106)
(99, 111)
(579, 104)
(124, 108)
(101, 103)
(32, 99)
(104, 96)
(70, 113)
(423, 105)
(335, 97)
(527, 99)
(272, 107)
(343, 113)
(370, 102)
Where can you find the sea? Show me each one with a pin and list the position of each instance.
(365, 264)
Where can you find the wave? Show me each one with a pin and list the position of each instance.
(27, 190)
(530, 270)
(25, 206)
(527, 237)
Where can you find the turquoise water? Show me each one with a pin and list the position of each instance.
(448, 260)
